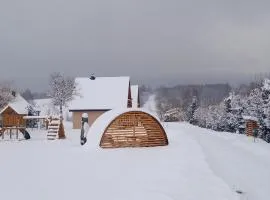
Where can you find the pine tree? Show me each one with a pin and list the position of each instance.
(191, 111)
(266, 110)
(239, 109)
(254, 108)
(230, 118)
(237, 112)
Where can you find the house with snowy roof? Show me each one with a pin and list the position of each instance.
(98, 95)
(12, 114)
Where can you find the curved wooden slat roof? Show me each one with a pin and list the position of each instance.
(127, 128)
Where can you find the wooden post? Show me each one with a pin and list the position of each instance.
(17, 133)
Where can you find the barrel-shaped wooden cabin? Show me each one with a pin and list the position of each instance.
(128, 128)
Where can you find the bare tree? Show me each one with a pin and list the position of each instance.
(5, 94)
(62, 90)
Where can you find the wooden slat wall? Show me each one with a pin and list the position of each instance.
(11, 118)
(134, 129)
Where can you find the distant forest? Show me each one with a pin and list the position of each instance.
(181, 96)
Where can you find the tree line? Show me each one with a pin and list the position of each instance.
(218, 107)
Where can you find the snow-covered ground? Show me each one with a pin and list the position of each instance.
(198, 164)
(244, 164)
(41, 169)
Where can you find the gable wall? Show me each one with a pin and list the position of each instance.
(92, 116)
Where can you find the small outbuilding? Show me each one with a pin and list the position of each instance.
(251, 125)
(127, 128)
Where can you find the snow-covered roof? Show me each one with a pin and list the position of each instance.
(102, 122)
(250, 118)
(18, 104)
(103, 93)
(135, 95)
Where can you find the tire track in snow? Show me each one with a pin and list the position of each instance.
(240, 169)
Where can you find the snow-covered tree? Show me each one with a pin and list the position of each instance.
(234, 110)
(201, 116)
(237, 110)
(266, 109)
(5, 94)
(62, 90)
(266, 97)
(254, 108)
(191, 111)
(230, 121)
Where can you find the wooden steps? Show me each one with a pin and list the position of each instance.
(53, 129)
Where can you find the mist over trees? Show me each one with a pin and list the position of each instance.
(145, 92)
(181, 96)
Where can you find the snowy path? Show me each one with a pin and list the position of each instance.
(243, 164)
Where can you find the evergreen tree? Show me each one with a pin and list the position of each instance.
(266, 110)
(191, 111)
(254, 108)
(230, 118)
(237, 111)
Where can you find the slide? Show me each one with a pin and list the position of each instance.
(25, 134)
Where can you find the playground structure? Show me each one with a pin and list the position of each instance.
(14, 130)
(13, 124)
(16, 117)
(54, 126)
(55, 129)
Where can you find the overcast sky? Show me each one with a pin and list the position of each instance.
(153, 41)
